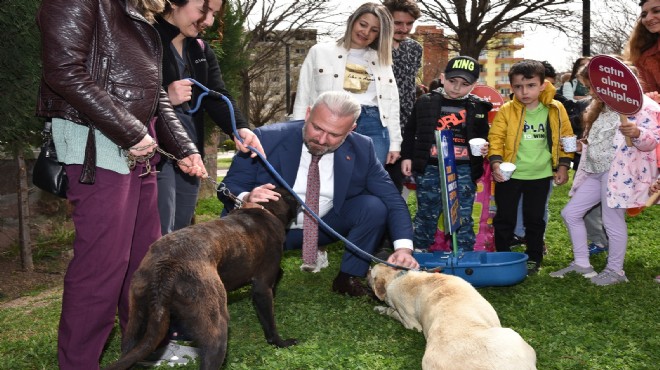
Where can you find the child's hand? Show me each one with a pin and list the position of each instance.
(497, 175)
(629, 129)
(406, 167)
(561, 176)
(484, 149)
(655, 187)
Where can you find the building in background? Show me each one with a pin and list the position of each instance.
(497, 60)
(272, 89)
(435, 51)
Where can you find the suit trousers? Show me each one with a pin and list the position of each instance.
(362, 220)
(116, 220)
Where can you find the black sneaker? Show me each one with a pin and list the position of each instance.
(532, 268)
(517, 240)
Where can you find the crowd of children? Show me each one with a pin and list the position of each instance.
(527, 132)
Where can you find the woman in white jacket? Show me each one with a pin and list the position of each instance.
(360, 63)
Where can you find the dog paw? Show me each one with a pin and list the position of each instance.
(383, 310)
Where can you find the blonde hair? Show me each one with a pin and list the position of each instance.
(148, 8)
(383, 44)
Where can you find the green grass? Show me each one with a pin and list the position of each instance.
(571, 323)
(224, 162)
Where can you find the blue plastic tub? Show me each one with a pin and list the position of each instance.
(479, 268)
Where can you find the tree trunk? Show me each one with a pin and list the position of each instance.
(24, 240)
(211, 163)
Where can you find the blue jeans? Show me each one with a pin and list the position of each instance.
(369, 124)
(429, 207)
(177, 197)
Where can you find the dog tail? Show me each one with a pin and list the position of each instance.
(157, 325)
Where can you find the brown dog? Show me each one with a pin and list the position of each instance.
(188, 273)
(461, 328)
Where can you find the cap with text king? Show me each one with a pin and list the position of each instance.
(464, 67)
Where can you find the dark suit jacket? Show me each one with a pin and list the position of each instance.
(357, 172)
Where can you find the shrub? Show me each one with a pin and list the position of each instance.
(229, 145)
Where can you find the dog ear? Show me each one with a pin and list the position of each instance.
(378, 285)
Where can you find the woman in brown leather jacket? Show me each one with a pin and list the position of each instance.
(102, 89)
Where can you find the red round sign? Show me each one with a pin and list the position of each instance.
(615, 84)
(491, 95)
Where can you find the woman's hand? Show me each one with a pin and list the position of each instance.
(144, 147)
(392, 157)
(180, 91)
(249, 139)
(654, 95)
(193, 166)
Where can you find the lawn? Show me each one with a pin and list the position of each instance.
(571, 323)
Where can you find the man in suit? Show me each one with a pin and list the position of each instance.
(357, 197)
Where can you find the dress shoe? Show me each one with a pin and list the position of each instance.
(352, 286)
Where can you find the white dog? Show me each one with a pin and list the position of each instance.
(461, 328)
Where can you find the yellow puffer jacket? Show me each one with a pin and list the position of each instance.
(507, 128)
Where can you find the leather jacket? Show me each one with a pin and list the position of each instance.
(101, 68)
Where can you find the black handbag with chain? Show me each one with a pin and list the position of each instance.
(48, 173)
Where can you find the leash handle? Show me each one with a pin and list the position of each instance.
(279, 178)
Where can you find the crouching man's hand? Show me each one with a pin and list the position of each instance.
(403, 257)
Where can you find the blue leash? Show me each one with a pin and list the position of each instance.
(279, 178)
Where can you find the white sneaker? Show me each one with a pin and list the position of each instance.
(609, 277)
(587, 272)
(321, 263)
(172, 355)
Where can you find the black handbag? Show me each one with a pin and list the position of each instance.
(48, 173)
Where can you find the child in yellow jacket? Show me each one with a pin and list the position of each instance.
(526, 131)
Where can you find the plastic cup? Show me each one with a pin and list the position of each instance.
(569, 143)
(506, 169)
(475, 146)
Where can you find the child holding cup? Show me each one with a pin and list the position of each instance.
(616, 175)
(451, 107)
(525, 133)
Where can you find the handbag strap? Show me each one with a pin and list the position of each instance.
(47, 132)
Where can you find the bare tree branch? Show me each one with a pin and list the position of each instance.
(270, 25)
(611, 26)
(474, 24)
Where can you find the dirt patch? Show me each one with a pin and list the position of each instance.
(40, 300)
(51, 233)
(16, 283)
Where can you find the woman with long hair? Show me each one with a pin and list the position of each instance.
(360, 63)
(643, 47)
(187, 56)
(101, 88)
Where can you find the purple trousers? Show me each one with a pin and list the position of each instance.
(592, 191)
(116, 220)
